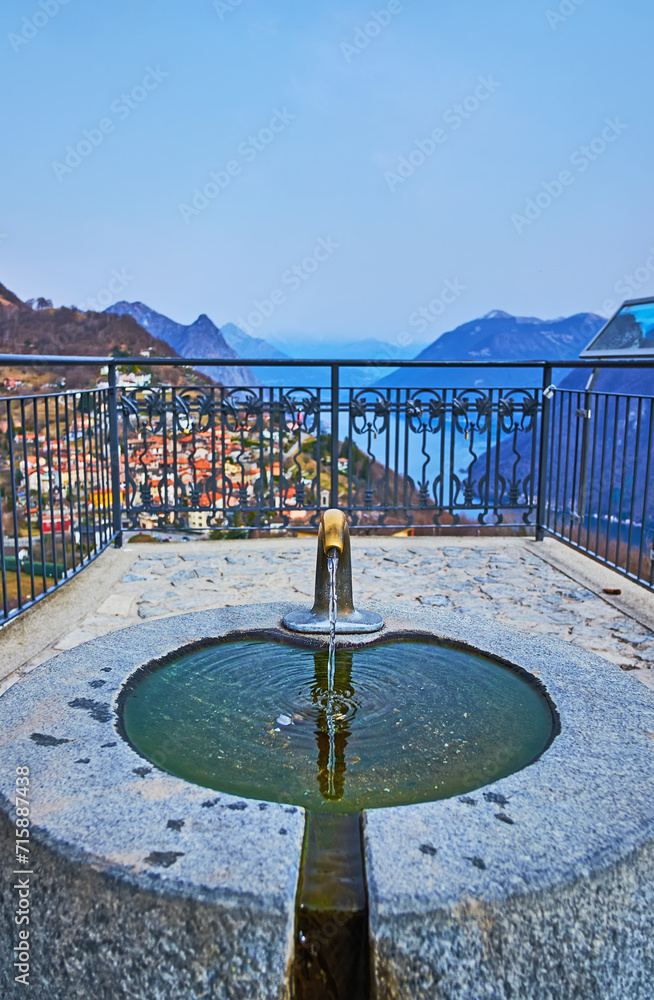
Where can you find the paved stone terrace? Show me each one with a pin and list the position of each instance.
(544, 587)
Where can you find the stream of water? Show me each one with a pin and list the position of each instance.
(332, 565)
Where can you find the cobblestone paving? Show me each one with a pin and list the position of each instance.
(501, 579)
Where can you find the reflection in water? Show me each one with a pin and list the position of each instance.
(331, 771)
(404, 722)
(336, 711)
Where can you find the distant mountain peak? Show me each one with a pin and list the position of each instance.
(200, 339)
(514, 338)
(203, 320)
(497, 314)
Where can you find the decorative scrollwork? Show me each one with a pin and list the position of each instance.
(210, 455)
(369, 411)
(472, 410)
(426, 412)
(242, 410)
(300, 411)
(197, 408)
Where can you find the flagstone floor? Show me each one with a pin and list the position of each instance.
(542, 587)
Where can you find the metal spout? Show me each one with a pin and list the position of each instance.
(333, 533)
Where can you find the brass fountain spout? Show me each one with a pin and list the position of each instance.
(333, 539)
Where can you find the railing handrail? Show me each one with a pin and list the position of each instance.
(64, 359)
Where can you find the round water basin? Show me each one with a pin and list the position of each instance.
(402, 722)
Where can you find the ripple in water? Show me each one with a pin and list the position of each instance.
(401, 722)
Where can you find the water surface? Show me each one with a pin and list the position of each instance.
(405, 721)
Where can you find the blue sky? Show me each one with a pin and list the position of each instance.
(292, 124)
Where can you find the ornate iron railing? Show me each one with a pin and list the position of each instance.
(598, 488)
(55, 491)
(76, 469)
(265, 456)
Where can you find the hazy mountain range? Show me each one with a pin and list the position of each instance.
(60, 331)
(204, 339)
(498, 336)
(201, 339)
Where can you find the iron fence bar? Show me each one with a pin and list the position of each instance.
(14, 494)
(634, 479)
(452, 455)
(3, 562)
(114, 452)
(51, 507)
(491, 467)
(62, 519)
(543, 455)
(623, 472)
(222, 454)
(27, 496)
(566, 468)
(73, 557)
(94, 469)
(558, 502)
(595, 419)
(81, 475)
(100, 519)
(396, 464)
(350, 485)
(409, 483)
(39, 493)
(578, 429)
(616, 408)
(601, 476)
(104, 445)
(85, 470)
(548, 469)
(643, 538)
(387, 458)
(335, 410)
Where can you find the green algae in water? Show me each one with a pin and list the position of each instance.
(407, 721)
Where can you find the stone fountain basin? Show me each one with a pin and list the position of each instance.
(145, 886)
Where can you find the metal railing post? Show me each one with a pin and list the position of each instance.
(334, 436)
(114, 450)
(586, 415)
(543, 452)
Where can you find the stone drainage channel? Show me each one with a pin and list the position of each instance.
(143, 885)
